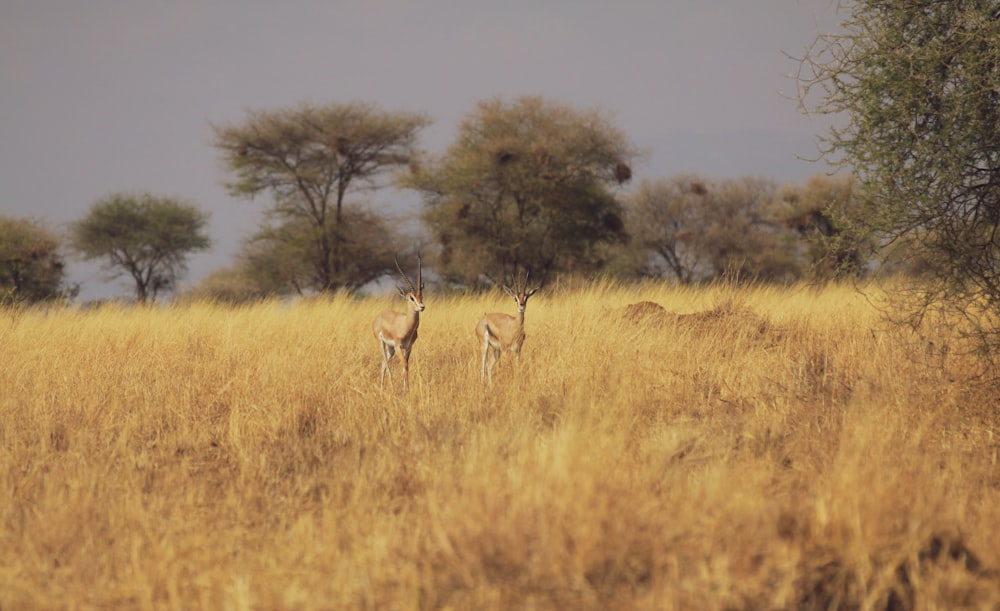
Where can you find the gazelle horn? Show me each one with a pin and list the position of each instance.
(409, 284)
(420, 276)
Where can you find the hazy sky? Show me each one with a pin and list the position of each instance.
(111, 95)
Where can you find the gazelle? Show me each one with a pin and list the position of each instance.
(499, 333)
(395, 330)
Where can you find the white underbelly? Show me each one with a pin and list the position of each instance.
(403, 345)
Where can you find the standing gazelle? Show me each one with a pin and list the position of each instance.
(503, 332)
(395, 330)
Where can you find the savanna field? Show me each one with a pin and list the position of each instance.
(743, 448)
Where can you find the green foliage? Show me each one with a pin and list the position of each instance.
(308, 160)
(144, 236)
(32, 268)
(288, 257)
(821, 213)
(526, 184)
(919, 84)
(228, 285)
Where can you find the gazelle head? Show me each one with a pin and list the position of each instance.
(521, 295)
(414, 295)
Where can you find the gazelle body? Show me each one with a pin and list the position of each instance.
(398, 331)
(499, 333)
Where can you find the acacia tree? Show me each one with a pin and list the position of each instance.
(819, 212)
(698, 229)
(742, 238)
(662, 216)
(31, 262)
(919, 85)
(526, 184)
(144, 236)
(279, 257)
(308, 159)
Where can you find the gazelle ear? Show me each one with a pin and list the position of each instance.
(532, 291)
(507, 290)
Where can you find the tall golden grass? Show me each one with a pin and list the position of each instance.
(746, 448)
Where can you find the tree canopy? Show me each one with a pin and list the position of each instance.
(31, 262)
(919, 85)
(308, 159)
(700, 229)
(144, 236)
(527, 184)
(820, 212)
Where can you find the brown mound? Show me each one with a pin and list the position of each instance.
(727, 318)
(730, 318)
(645, 312)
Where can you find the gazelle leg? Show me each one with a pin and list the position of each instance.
(387, 352)
(404, 355)
(493, 361)
(486, 350)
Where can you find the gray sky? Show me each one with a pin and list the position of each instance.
(111, 95)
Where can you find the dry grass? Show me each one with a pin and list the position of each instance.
(741, 449)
